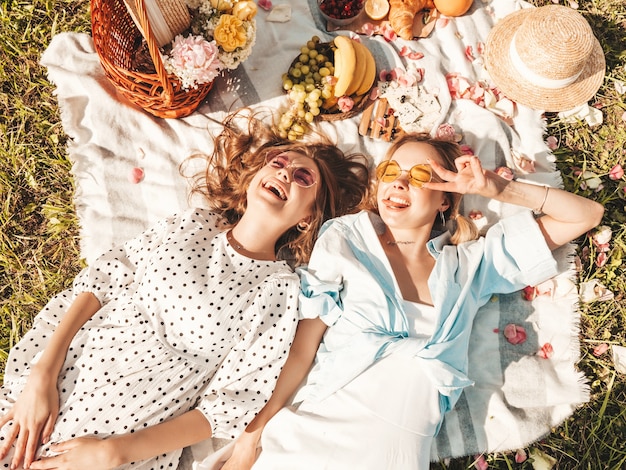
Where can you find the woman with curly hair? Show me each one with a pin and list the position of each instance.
(179, 334)
(388, 321)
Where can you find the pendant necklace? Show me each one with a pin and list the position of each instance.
(394, 242)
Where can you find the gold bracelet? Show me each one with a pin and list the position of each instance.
(543, 203)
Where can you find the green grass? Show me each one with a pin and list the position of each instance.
(39, 252)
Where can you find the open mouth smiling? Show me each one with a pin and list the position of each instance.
(397, 202)
(276, 189)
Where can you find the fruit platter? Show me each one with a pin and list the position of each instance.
(409, 19)
(326, 81)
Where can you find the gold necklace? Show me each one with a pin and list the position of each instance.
(389, 242)
(394, 242)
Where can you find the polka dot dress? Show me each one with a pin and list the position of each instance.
(186, 323)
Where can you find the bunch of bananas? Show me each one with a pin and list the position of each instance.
(319, 76)
(355, 68)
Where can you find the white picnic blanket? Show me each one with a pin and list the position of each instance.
(518, 396)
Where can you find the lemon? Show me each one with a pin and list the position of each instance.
(376, 9)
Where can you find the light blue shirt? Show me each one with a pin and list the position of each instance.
(350, 285)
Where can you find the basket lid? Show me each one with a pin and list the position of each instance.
(167, 18)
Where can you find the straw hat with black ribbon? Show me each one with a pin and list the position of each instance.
(167, 18)
(546, 58)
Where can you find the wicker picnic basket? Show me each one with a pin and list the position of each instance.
(116, 39)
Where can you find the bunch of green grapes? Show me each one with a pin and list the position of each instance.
(308, 84)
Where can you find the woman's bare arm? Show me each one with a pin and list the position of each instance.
(566, 215)
(101, 454)
(37, 407)
(301, 355)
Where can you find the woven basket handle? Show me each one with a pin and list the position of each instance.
(153, 47)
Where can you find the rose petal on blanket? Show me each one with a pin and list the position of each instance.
(410, 53)
(136, 175)
(546, 351)
(529, 292)
(546, 288)
(514, 334)
(553, 288)
(457, 84)
(477, 94)
(368, 29)
(407, 79)
(388, 33)
(265, 4)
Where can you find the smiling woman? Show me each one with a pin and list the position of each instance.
(340, 185)
(396, 306)
(172, 304)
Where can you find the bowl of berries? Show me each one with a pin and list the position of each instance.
(340, 12)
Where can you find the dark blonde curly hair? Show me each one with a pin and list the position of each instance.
(465, 229)
(239, 152)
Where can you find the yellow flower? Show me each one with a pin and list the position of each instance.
(221, 5)
(230, 33)
(245, 10)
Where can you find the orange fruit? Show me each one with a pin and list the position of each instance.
(376, 9)
(453, 7)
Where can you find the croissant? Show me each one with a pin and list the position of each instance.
(402, 13)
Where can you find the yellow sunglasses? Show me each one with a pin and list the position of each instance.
(390, 170)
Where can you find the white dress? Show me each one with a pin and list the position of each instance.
(186, 323)
(383, 419)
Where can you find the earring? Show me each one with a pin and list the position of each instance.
(443, 218)
(303, 226)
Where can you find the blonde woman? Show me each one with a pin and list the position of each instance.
(388, 320)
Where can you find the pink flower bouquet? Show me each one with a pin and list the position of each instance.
(223, 33)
